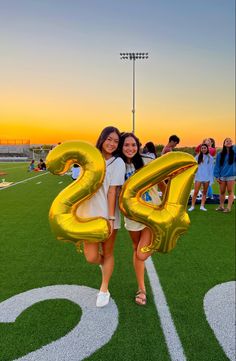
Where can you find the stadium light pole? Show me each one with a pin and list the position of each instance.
(133, 57)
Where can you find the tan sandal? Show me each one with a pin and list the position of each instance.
(226, 210)
(140, 298)
(221, 209)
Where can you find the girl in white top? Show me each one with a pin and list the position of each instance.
(104, 203)
(140, 234)
(204, 176)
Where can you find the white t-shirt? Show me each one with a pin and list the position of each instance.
(75, 172)
(97, 206)
(150, 195)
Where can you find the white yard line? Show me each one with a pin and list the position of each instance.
(25, 180)
(171, 336)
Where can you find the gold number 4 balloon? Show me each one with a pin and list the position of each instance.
(170, 219)
(64, 222)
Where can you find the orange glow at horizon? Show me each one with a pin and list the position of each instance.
(59, 128)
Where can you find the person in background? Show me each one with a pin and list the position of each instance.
(210, 142)
(212, 151)
(150, 150)
(173, 141)
(41, 165)
(104, 204)
(31, 166)
(75, 171)
(204, 176)
(213, 143)
(140, 234)
(225, 174)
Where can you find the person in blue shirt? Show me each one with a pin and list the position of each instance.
(225, 174)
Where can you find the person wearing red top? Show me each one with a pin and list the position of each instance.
(211, 146)
(173, 141)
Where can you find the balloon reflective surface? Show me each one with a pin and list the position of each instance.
(170, 219)
(63, 219)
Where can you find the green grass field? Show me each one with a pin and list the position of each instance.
(30, 257)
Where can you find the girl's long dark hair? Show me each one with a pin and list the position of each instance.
(150, 147)
(200, 157)
(224, 152)
(213, 143)
(137, 159)
(104, 135)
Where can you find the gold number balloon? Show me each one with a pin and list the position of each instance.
(64, 222)
(170, 219)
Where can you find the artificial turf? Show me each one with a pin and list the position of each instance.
(30, 257)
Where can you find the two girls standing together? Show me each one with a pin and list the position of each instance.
(224, 170)
(122, 157)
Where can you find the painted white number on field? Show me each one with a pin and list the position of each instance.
(219, 307)
(94, 330)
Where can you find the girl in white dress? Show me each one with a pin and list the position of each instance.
(104, 203)
(204, 176)
(140, 235)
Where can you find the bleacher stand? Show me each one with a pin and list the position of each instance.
(14, 150)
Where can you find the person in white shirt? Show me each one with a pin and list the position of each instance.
(104, 203)
(75, 171)
(204, 176)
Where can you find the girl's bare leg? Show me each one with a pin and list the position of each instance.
(91, 252)
(230, 189)
(197, 186)
(145, 240)
(139, 265)
(204, 193)
(108, 261)
(222, 193)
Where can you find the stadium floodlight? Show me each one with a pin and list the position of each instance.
(133, 57)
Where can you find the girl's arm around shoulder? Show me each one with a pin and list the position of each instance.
(118, 172)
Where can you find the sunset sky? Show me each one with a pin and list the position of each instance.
(61, 76)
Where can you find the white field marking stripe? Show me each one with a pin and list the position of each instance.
(172, 339)
(25, 180)
(94, 329)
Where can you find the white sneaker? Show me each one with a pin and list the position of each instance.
(191, 209)
(203, 209)
(103, 299)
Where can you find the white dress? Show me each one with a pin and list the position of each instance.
(205, 169)
(97, 206)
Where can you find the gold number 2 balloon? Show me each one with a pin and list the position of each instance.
(170, 219)
(64, 222)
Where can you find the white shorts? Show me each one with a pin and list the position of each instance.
(131, 225)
